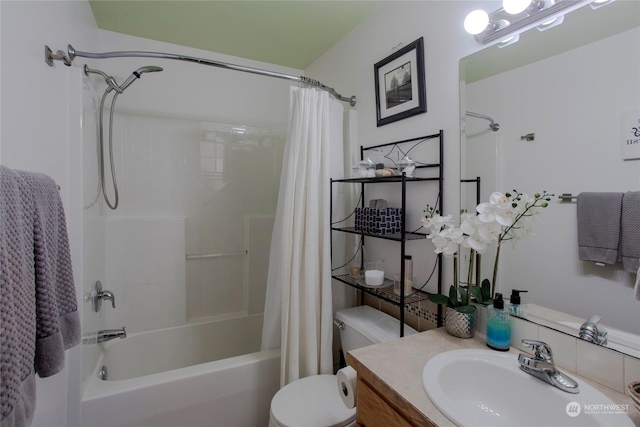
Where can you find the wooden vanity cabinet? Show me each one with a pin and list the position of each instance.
(378, 405)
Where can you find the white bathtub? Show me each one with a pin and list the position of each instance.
(203, 374)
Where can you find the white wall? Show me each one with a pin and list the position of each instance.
(40, 131)
(349, 68)
(576, 114)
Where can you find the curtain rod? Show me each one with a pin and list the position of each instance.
(72, 54)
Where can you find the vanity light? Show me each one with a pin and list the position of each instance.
(599, 3)
(517, 16)
(513, 7)
(551, 23)
(508, 41)
(476, 22)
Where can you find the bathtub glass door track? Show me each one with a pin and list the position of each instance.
(434, 175)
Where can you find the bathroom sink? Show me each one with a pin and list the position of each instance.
(487, 388)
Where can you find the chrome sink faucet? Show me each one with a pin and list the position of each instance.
(589, 331)
(104, 336)
(541, 366)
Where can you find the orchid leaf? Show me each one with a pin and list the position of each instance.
(486, 289)
(453, 297)
(477, 294)
(463, 296)
(438, 299)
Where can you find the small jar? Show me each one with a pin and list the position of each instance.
(367, 169)
(406, 166)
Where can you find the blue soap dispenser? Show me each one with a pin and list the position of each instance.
(498, 325)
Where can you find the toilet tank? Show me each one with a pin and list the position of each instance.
(365, 326)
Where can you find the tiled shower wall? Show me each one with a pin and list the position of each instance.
(146, 272)
(219, 181)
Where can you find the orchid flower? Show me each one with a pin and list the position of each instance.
(506, 216)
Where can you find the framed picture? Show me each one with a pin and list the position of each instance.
(400, 91)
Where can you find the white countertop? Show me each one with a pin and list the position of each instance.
(399, 365)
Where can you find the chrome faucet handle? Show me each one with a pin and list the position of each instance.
(107, 295)
(97, 295)
(541, 350)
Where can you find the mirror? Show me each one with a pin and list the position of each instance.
(569, 87)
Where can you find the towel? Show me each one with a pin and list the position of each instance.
(599, 226)
(38, 307)
(636, 289)
(630, 235)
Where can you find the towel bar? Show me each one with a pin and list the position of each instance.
(567, 197)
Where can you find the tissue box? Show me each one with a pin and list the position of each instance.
(379, 221)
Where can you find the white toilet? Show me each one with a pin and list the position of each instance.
(315, 401)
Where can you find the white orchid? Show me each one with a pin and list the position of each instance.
(505, 217)
(513, 213)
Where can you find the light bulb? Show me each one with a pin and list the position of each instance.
(550, 24)
(476, 22)
(514, 7)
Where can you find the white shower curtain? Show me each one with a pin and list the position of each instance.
(298, 310)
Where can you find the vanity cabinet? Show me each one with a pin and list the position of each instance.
(378, 405)
(404, 185)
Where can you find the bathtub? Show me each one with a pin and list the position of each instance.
(201, 374)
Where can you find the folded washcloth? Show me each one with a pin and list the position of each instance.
(38, 304)
(599, 226)
(630, 235)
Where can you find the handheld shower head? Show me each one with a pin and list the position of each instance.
(137, 73)
(148, 69)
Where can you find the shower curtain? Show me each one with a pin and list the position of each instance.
(298, 308)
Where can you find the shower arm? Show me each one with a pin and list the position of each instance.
(492, 124)
(72, 54)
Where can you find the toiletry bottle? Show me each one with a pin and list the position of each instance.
(498, 325)
(408, 274)
(515, 308)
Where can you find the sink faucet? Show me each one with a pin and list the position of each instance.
(104, 335)
(589, 331)
(541, 366)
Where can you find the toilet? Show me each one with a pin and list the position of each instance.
(314, 401)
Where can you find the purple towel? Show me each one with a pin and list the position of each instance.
(599, 226)
(38, 305)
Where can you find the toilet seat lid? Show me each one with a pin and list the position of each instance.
(311, 402)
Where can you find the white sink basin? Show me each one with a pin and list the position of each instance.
(487, 388)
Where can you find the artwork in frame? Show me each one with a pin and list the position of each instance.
(400, 91)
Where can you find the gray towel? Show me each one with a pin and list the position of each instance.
(38, 306)
(630, 236)
(599, 226)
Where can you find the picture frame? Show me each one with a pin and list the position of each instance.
(399, 84)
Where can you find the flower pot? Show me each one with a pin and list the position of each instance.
(458, 324)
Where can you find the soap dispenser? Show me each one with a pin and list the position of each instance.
(515, 308)
(498, 325)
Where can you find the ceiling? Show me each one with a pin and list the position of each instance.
(288, 33)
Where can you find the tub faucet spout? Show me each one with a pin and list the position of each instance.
(104, 336)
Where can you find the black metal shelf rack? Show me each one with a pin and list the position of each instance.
(386, 292)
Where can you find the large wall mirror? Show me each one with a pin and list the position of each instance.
(569, 86)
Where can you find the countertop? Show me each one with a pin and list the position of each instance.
(398, 366)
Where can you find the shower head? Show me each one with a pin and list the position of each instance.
(137, 73)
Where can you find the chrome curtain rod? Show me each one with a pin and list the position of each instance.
(73, 53)
(492, 125)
